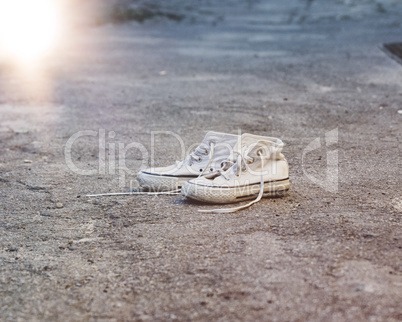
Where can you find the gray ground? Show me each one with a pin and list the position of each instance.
(294, 71)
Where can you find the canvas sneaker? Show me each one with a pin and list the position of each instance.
(206, 158)
(255, 169)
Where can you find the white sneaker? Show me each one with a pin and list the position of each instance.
(206, 158)
(255, 169)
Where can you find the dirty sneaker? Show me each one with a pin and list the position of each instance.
(255, 169)
(206, 158)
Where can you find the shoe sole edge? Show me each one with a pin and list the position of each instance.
(156, 182)
(220, 195)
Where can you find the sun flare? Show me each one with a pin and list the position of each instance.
(28, 29)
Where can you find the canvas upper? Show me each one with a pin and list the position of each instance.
(244, 167)
(213, 150)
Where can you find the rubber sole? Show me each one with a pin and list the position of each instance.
(155, 182)
(220, 195)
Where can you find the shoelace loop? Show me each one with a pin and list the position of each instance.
(242, 159)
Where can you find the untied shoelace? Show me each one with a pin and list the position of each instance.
(242, 159)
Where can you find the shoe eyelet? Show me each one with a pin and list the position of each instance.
(200, 170)
(211, 169)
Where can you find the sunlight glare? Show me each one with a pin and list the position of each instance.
(28, 29)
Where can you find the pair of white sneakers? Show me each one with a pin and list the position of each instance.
(225, 168)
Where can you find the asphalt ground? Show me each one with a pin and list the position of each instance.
(330, 250)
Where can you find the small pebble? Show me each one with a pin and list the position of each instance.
(400, 112)
(12, 249)
(359, 288)
(27, 161)
(162, 73)
(59, 205)
(45, 213)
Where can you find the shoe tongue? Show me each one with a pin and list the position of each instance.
(211, 136)
(251, 144)
(215, 137)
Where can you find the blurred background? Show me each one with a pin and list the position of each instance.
(32, 29)
(35, 36)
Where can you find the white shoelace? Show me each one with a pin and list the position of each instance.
(193, 156)
(170, 192)
(239, 166)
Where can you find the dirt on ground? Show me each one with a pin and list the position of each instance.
(311, 74)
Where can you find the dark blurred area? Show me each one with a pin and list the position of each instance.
(206, 11)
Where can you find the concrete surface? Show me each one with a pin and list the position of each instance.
(314, 255)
